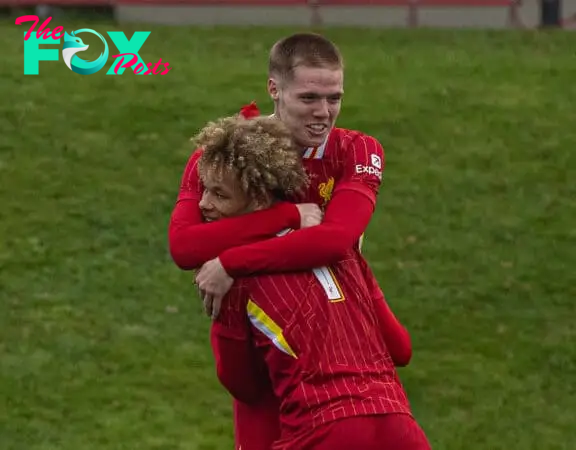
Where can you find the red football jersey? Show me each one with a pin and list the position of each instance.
(347, 161)
(319, 336)
(345, 170)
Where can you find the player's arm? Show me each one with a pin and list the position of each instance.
(257, 425)
(395, 335)
(346, 218)
(237, 366)
(192, 242)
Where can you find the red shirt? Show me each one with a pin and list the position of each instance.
(318, 334)
(346, 171)
(343, 172)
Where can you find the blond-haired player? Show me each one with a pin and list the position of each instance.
(306, 85)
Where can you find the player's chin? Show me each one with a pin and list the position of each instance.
(313, 140)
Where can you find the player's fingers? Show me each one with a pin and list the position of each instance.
(216, 305)
(208, 300)
(201, 294)
(199, 275)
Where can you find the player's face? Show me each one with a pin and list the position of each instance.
(309, 103)
(224, 197)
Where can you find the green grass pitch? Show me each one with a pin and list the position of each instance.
(103, 345)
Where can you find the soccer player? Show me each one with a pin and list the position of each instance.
(316, 334)
(345, 169)
(306, 84)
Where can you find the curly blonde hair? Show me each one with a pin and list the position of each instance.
(260, 151)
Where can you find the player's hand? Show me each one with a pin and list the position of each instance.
(213, 283)
(310, 214)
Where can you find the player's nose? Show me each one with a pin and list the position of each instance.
(204, 203)
(322, 111)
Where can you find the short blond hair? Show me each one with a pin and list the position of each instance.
(260, 151)
(303, 49)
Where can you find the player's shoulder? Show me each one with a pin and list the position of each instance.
(195, 156)
(344, 138)
(192, 162)
(190, 178)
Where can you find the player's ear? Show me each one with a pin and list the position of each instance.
(273, 89)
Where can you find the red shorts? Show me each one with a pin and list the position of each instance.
(383, 432)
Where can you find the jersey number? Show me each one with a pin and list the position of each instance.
(328, 280)
(329, 283)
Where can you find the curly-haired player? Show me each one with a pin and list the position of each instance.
(318, 338)
(257, 156)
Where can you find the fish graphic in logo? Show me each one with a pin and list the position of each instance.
(73, 44)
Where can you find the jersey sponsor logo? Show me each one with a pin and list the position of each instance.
(376, 161)
(360, 169)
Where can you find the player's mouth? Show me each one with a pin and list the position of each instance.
(317, 129)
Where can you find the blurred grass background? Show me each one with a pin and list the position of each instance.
(103, 344)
